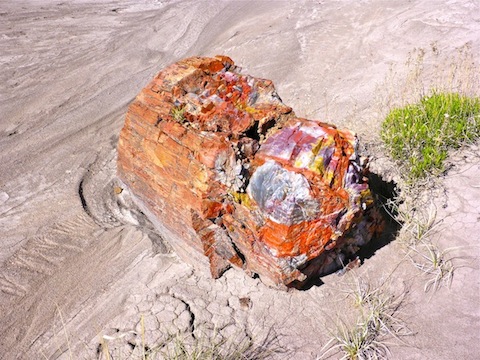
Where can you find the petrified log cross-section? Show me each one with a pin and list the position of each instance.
(225, 169)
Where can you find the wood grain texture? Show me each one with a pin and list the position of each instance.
(226, 167)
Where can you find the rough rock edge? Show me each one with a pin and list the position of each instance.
(224, 220)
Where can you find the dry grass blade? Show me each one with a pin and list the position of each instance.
(356, 342)
(421, 225)
(215, 347)
(418, 228)
(205, 345)
(67, 337)
(366, 336)
(434, 263)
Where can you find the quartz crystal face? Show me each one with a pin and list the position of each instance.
(282, 195)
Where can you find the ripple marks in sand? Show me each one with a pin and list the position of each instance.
(42, 255)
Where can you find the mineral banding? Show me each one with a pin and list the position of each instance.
(227, 172)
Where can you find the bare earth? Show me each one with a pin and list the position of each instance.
(77, 264)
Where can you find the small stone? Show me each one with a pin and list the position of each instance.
(245, 302)
(117, 190)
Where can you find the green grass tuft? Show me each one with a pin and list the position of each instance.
(178, 114)
(420, 135)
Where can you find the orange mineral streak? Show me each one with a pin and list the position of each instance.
(303, 238)
(192, 140)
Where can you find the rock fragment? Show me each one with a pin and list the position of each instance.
(227, 172)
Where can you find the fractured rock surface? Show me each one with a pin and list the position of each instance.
(227, 172)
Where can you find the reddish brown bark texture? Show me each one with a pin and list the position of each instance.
(227, 170)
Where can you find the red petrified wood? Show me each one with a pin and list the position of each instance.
(225, 170)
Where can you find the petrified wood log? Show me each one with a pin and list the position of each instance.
(225, 170)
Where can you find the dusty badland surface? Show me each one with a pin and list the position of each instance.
(81, 269)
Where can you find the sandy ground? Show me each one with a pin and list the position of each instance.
(77, 264)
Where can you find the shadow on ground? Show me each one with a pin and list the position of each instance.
(385, 194)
